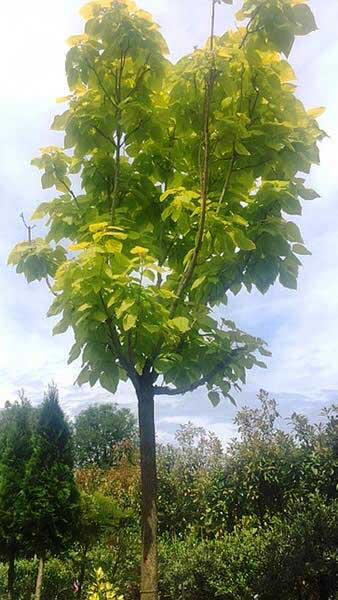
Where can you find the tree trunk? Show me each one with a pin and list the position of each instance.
(149, 585)
(39, 580)
(82, 573)
(11, 578)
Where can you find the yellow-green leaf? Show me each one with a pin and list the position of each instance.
(198, 282)
(314, 113)
(129, 322)
(242, 241)
(126, 304)
(180, 323)
(80, 246)
(113, 246)
(95, 227)
(300, 249)
(77, 40)
(139, 251)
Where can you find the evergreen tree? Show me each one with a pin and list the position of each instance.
(51, 497)
(15, 451)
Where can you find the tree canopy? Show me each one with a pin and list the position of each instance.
(101, 433)
(50, 497)
(188, 179)
(176, 185)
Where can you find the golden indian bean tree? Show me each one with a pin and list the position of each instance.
(176, 186)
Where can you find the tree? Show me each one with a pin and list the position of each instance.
(187, 175)
(50, 500)
(100, 433)
(15, 445)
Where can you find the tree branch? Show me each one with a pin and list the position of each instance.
(248, 30)
(167, 391)
(204, 175)
(227, 179)
(69, 190)
(117, 348)
(104, 135)
(101, 84)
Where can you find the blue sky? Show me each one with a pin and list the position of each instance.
(301, 327)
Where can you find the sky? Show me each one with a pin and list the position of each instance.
(300, 327)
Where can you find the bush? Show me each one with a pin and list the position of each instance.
(57, 585)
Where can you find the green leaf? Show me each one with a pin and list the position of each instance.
(74, 353)
(41, 211)
(260, 363)
(232, 399)
(242, 241)
(198, 282)
(291, 205)
(180, 323)
(308, 194)
(304, 18)
(293, 232)
(61, 327)
(126, 304)
(288, 280)
(300, 249)
(60, 121)
(149, 275)
(99, 315)
(47, 180)
(264, 352)
(241, 149)
(214, 398)
(283, 38)
(83, 376)
(129, 322)
(110, 381)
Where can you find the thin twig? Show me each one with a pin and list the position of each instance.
(28, 227)
(69, 190)
(51, 288)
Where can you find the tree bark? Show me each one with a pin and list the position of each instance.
(39, 580)
(149, 577)
(11, 578)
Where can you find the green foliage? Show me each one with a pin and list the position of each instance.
(100, 516)
(184, 473)
(100, 434)
(294, 554)
(16, 422)
(57, 584)
(172, 215)
(50, 498)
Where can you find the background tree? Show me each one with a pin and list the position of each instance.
(101, 433)
(188, 174)
(50, 499)
(15, 451)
